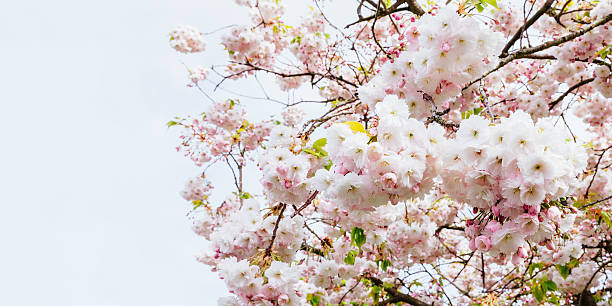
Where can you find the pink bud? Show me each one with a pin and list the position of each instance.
(483, 243)
(516, 259)
(550, 245)
(388, 180)
(472, 245)
(496, 210)
(553, 213)
(282, 170)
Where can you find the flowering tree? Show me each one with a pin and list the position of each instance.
(440, 168)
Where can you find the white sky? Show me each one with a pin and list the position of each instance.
(90, 208)
(90, 211)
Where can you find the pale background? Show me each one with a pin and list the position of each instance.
(90, 211)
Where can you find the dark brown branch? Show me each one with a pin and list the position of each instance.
(552, 104)
(563, 39)
(586, 193)
(413, 7)
(529, 52)
(586, 287)
(280, 216)
(525, 26)
(310, 249)
(396, 296)
(308, 201)
(596, 202)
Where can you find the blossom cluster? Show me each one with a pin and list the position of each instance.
(276, 285)
(399, 165)
(219, 131)
(198, 74)
(197, 189)
(187, 39)
(444, 53)
(508, 172)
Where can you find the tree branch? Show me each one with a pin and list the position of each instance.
(552, 104)
(525, 26)
(396, 296)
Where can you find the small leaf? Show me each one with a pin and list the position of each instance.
(563, 270)
(319, 144)
(549, 285)
(171, 123)
(384, 264)
(355, 126)
(246, 195)
(538, 293)
(493, 3)
(329, 165)
(358, 237)
(350, 257)
(313, 299)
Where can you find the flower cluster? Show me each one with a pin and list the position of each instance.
(603, 81)
(252, 287)
(447, 53)
(399, 165)
(197, 189)
(187, 39)
(597, 111)
(508, 172)
(243, 232)
(198, 74)
(219, 131)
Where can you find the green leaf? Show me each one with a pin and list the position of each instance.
(477, 110)
(319, 144)
(538, 293)
(350, 257)
(171, 123)
(479, 7)
(493, 3)
(309, 151)
(197, 203)
(357, 237)
(384, 264)
(548, 285)
(534, 266)
(246, 195)
(573, 263)
(313, 299)
(329, 165)
(564, 271)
